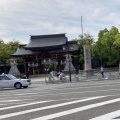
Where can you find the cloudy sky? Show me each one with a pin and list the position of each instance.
(21, 18)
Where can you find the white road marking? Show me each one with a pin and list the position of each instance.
(47, 107)
(29, 93)
(108, 116)
(67, 112)
(64, 93)
(77, 92)
(15, 106)
(49, 90)
(10, 100)
(108, 83)
(29, 96)
(21, 94)
(87, 91)
(78, 87)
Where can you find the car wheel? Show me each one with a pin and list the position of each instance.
(25, 86)
(17, 85)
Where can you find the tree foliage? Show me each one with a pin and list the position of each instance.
(106, 48)
(6, 49)
(82, 40)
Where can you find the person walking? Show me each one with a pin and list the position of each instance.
(27, 75)
(52, 75)
(102, 72)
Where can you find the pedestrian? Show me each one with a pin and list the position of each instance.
(60, 76)
(27, 75)
(102, 72)
(52, 75)
(58, 73)
(24, 76)
(47, 70)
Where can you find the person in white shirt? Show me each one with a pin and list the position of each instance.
(60, 75)
(52, 75)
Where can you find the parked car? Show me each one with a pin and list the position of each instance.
(8, 80)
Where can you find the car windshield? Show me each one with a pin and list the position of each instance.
(12, 77)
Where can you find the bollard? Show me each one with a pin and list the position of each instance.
(116, 75)
(46, 80)
(99, 76)
(81, 74)
(76, 77)
(50, 80)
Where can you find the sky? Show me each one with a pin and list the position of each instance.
(21, 18)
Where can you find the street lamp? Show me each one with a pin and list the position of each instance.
(68, 57)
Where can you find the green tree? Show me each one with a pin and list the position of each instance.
(6, 49)
(83, 40)
(103, 48)
(116, 45)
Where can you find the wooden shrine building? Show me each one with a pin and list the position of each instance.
(46, 52)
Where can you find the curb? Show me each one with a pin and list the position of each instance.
(80, 80)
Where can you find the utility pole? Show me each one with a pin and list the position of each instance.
(81, 27)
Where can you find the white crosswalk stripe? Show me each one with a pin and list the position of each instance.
(16, 106)
(77, 110)
(55, 115)
(108, 116)
(4, 101)
(47, 107)
(33, 103)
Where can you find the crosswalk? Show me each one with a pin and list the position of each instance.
(113, 115)
(36, 104)
(80, 109)
(108, 116)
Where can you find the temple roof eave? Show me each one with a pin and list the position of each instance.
(21, 51)
(46, 42)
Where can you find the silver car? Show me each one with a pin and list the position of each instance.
(8, 81)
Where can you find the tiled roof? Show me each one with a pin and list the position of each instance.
(21, 51)
(48, 41)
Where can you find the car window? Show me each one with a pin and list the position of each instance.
(12, 77)
(0, 77)
(4, 78)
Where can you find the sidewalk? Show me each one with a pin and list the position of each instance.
(42, 78)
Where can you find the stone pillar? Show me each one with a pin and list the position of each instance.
(87, 60)
(69, 61)
(14, 70)
(87, 57)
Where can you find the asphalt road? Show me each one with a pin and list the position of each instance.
(90, 100)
